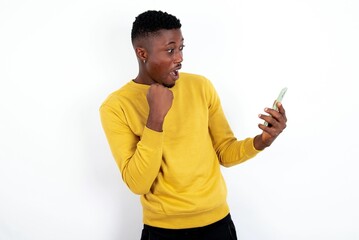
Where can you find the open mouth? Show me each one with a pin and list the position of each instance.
(174, 73)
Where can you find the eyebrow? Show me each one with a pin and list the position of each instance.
(174, 42)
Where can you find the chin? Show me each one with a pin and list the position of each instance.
(169, 85)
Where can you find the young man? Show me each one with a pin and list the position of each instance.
(169, 136)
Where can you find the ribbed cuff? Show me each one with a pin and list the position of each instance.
(152, 139)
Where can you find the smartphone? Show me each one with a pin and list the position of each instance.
(279, 99)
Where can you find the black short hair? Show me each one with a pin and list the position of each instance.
(152, 21)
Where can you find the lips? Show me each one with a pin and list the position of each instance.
(174, 72)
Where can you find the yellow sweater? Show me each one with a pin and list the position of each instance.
(177, 171)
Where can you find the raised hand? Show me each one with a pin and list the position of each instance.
(159, 99)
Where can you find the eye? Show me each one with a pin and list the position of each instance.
(170, 50)
(181, 47)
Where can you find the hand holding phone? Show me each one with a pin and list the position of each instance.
(279, 99)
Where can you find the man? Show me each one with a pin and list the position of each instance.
(169, 136)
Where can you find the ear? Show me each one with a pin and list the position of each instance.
(141, 53)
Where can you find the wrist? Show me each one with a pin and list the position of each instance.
(258, 143)
(155, 123)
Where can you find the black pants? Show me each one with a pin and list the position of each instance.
(222, 230)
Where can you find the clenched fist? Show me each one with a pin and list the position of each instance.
(159, 99)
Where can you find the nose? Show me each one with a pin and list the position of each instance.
(178, 57)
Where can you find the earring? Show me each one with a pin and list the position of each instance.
(144, 60)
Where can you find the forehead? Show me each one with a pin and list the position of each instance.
(166, 37)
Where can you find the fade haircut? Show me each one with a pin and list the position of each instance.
(150, 22)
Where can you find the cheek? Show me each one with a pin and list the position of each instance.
(160, 68)
(156, 67)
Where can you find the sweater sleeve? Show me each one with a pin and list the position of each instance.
(230, 151)
(139, 159)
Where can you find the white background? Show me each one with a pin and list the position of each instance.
(60, 59)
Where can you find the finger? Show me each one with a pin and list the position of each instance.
(280, 115)
(275, 125)
(271, 112)
(269, 131)
(283, 112)
(281, 109)
(276, 115)
(269, 119)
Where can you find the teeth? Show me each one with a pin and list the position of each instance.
(174, 73)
